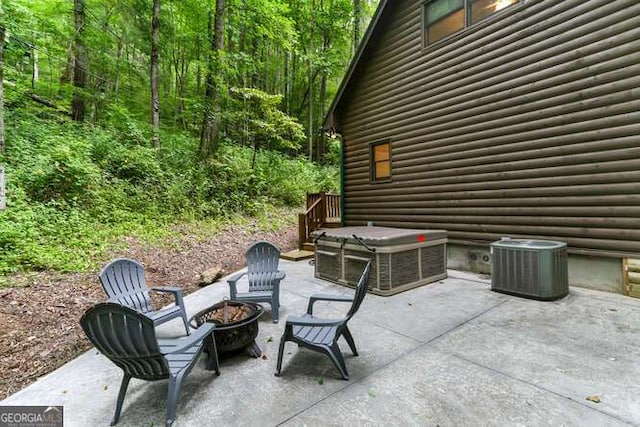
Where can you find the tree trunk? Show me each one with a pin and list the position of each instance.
(155, 94)
(116, 83)
(311, 78)
(357, 22)
(230, 30)
(211, 118)
(67, 74)
(254, 76)
(181, 68)
(35, 68)
(198, 68)
(2, 37)
(242, 41)
(287, 78)
(78, 106)
(3, 203)
(323, 100)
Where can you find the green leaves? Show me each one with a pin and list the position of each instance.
(261, 123)
(72, 190)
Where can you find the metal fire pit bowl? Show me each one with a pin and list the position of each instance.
(233, 336)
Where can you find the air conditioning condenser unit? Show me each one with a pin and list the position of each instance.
(530, 268)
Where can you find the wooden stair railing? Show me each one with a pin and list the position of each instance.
(322, 209)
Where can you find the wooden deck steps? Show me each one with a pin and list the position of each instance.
(332, 223)
(323, 211)
(297, 255)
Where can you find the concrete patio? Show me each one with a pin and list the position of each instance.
(451, 353)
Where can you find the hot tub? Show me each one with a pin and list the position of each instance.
(402, 258)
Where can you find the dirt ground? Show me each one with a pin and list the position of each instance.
(39, 329)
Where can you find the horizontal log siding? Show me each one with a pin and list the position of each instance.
(525, 125)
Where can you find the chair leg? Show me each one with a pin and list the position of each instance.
(186, 322)
(335, 355)
(173, 394)
(349, 338)
(283, 340)
(123, 391)
(212, 354)
(275, 310)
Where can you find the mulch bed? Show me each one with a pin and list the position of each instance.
(39, 329)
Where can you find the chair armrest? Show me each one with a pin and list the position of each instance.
(190, 340)
(233, 279)
(312, 321)
(175, 290)
(327, 297)
(280, 275)
(233, 290)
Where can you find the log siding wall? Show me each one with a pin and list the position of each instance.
(526, 124)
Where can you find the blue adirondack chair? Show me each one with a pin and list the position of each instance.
(322, 335)
(128, 339)
(124, 283)
(263, 275)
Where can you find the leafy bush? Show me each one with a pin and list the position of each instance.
(72, 189)
(61, 172)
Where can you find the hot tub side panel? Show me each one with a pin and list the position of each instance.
(394, 268)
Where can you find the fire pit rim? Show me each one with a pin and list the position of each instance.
(258, 310)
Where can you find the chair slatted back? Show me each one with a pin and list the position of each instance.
(361, 291)
(127, 338)
(262, 263)
(123, 281)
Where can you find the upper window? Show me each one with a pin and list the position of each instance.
(445, 17)
(381, 161)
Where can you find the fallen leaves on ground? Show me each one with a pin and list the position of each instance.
(594, 398)
(39, 329)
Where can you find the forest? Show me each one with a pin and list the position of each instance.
(126, 117)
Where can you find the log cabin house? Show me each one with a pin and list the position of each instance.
(492, 118)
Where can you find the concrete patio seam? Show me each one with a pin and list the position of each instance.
(419, 347)
(386, 328)
(536, 386)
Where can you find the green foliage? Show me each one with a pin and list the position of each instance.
(258, 120)
(59, 172)
(72, 190)
(334, 151)
(127, 125)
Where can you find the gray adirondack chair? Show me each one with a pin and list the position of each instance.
(322, 335)
(124, 283)
(263, 275)
(127, 337)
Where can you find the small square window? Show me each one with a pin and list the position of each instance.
(380, 161)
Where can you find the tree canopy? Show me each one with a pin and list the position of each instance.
(242, 70)
(131, 116)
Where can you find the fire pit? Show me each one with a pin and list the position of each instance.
(236, 326)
